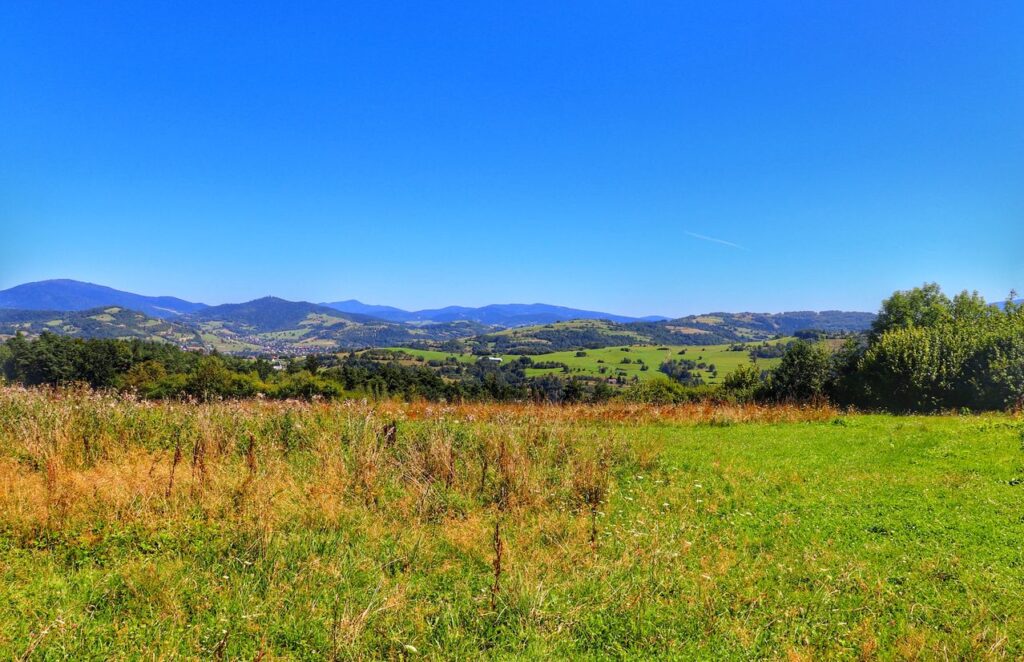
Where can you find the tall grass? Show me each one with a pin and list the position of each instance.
(85, 474)
(369, 530)
(90, 453)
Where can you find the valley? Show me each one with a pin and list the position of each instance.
(617, 365)
(271, 326)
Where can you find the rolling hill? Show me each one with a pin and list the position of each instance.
(109, 322)
(759, 326)
(712, 329)
(71, 295)
(271, 314)
(277, 326)
(389, 313)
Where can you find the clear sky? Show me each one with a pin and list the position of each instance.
(633, 157)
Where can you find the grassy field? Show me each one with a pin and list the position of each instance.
(611, 360)
(318, 531)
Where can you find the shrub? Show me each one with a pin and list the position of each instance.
(743, 383)
(803, 373)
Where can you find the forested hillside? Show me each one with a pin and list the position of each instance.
(109, 322)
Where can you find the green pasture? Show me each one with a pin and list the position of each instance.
(610, 359)
(856, 537)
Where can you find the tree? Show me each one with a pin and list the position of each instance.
(742, 382)
(927, 307)
(1003, 367)
(846, 385)
(803, 373)
(143, 376)
(655, 391)
(920, 306)
(312, 363)
(975, 362)
(574, 391)
(6, 360)
(971, 307)
(263, 368)
(210, 379)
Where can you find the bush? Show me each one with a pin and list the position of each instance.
(744, 383)
(662, 391)
(681, 370)
(803, 373)
(953, 364)
(655, 392)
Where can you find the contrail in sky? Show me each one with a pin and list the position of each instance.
(703, 237)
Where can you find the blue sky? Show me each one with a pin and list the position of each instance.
(638, 158)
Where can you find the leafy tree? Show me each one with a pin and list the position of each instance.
(6, 356)
(682, 371)
(311, 364)
(927, 306)
(263, 368)
(1003, 365)
(743, 383)
(210, 379)
(659, 391)
(975, 361)
(144, 377)
(971, 307)
(845, 380)
(803, 373)
(920, 306)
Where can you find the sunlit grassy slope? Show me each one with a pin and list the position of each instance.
(314, 532)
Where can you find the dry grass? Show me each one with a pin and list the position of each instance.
(73, 456)
(71, 460)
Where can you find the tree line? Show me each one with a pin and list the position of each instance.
(154, 370)
(925, 352)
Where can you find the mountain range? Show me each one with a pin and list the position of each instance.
(72, 295)
(271, 325)
(505, 315)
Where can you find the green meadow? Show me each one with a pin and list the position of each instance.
(320, 531)
(612, 361)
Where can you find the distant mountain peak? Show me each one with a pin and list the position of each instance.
(65, 294)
